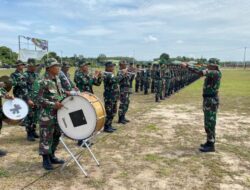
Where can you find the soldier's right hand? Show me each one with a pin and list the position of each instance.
(58, 105)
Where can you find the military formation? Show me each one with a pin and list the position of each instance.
(44, 93)
(162, 79)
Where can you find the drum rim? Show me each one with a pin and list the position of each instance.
(19, 100)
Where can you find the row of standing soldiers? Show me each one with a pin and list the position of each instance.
(163, 80)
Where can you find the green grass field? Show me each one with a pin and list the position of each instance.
(158, 149)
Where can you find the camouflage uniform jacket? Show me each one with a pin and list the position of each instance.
(67, 84)
(85, 82)
(47, 92)
(19, 85)
(111, 87)
(124, 82)
(30, 78)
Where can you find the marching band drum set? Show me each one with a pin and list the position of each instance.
(82, 117)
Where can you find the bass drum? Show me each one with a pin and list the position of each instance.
(81, 116)
(15, 111)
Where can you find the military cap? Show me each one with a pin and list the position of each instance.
(83, 63)
(32, 62)
(65, 65)
(213, 61)
(19, 62)
(51, 62)
(109, 64)
(123, 62)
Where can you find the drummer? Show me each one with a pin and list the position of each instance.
(48, 95)
(18, 81)
(85, 81)
(4, 94)
(30, 121)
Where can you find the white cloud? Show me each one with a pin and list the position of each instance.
(179, 41)
(11, 27)
(95, 31)
(151, 38)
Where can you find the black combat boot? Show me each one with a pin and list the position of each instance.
(55, 160)
(2, 153)
(209, 147)
(30, 136)
(108, 129)
(47, 163)
(121, 120)
(79, 143)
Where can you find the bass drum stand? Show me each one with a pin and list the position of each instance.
(77, 156)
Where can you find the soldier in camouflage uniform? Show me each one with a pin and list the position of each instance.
(30, 121)
(131, 70)
(111, 95)
(84, 81)
(153, 71)
(158, 84)
(210, 100)
(48, 95)
(3, 94)
(167, 76)
(124, 92)
(142, 79)
(146, 79)
(137, 78)
(64, 76)
(19, 82)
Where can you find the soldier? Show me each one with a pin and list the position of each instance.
(111, 95)
(142, 79)
(131, 70)
(64, 76)
(158, 83)
(18, 81)
(48, 95)
(3, 94)
(146, 79)
(137, 78)
(84, 81)
(30, 121)
(124, 92)
(210, 100)
(153, 78)
(167, 76)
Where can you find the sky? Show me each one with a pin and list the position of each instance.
(140, 28)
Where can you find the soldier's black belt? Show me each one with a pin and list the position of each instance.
(210, 95)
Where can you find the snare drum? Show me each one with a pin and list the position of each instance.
(15, 111)
(81, 116)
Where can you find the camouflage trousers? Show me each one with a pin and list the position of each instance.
(49, 137)
(124, 103)
(158, 89)
(111, 110)
(210, 107)
(167, 87)
(31, 120)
